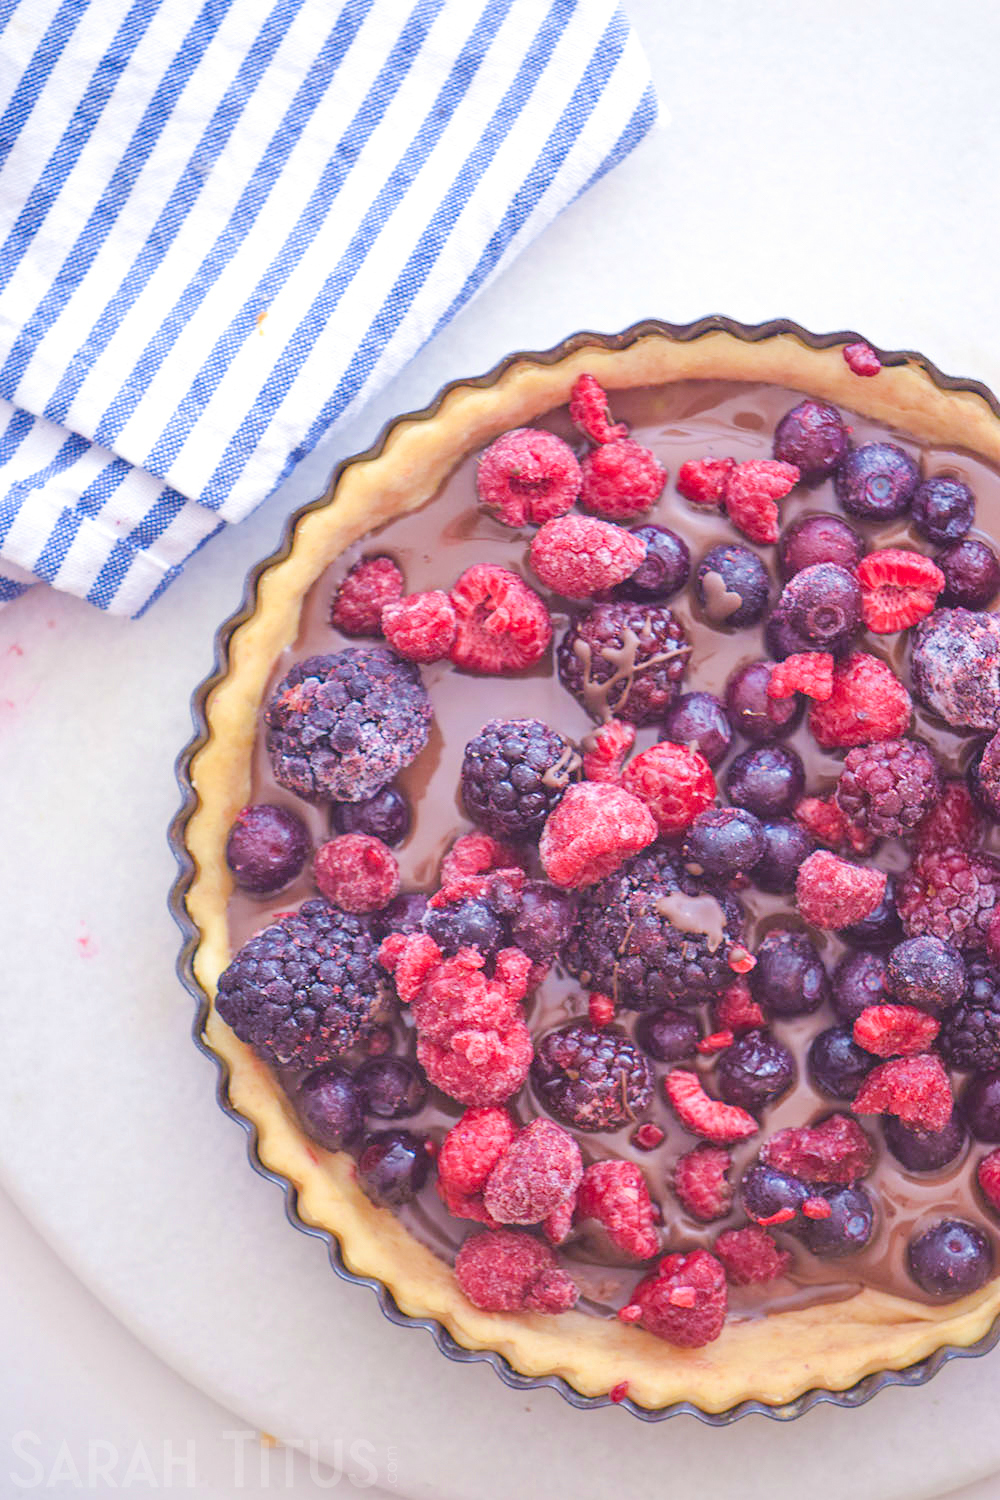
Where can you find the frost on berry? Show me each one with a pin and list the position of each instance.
(507, 1270)
(701, 1182)
(868, 703)
(750, 1256)
(605, 750)
(683, 1302)
(356, 872)
(702, 1115)
(895, 1030)
(621, 480)
(539, 1170)
(501, 624)
(528, 476)
(595, 828)
(831, 893)
(614, 1193)
(590, 412)
(578, 556)
(674, 781)
(835, 1151)
(370, 585)
(420, 627)
(914, 1089)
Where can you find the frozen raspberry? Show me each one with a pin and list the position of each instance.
(514, 773)
(478, 1066)
(606, 749)
(621, 480)
(824, 819)
(507, 1270)
(972, 574)
(593, 1079)
(626, 659)
(970, 1036)
(675, 783)
(615, 1194)
(600, 1010)
(861, 359)
(501, 624)
(955, 662)
(887, 788)
(557, 1226)
(540, 1169)
(640, 939)
(749, 496)
(578, 556)
(472, 1148)
(868, 704)
(595, 828)
(370, 585)
(809, 672)
(266, 848)
(703, 480)
(895, 1030)
(684, 1301)
(898, 588)
(915, 1089)
(954, 823)
(453, 994)
(340, 727)
(647, 1137)
(837, 1150)
(736, 1009)
(704, 1116)
(306, 988)
(356, 872)
(750, 1256)
(528, 476)
(876, 482)
(950, 894)
(832, 893)
(813, 437)
(702, 1184)
(420, 627)
(988, 1177)
(590, 412)
(476, 854)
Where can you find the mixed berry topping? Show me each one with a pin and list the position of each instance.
(697, 944)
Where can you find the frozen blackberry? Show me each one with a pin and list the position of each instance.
(723, 842)
(882, 927)
(306, 988)
(950, 894)
(888, 788)
(786, 845)
(340, 727)
(699, 720)
(789, 978)
(822, 605)
(767, 780)
(943, 509)
(837, 1065)
(860, 980)
(628, 941)
(876, 482)
(595, 1080)
(625, 658)
(385, 816)
(514, 773)
(816, 539)
(664, 570)
(732, 586)
(970, 1037)
(754, 1071)
(266, 848)
(813, 437)
(927, 973)
(971, 574)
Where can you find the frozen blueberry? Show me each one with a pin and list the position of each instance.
(980, 1106)
(385, 816)
(837, 1065)
(786, 845)
(664, 570)
(943, 509)
(266, 848)
(668, 1035)
(329, 1106)
(924, 1150)
(789, 978)
(700, 719)
(813, 436)
(877, 482)
(732, 586)
(849, 1227)
(950, 1259)
(393, 1166)
(882, 927)
(390, 1088)
(971, 574)
(765, 1192)
(818, 539)
(928, 973)
(755, 1070)
(781, 638)
(723, 842)
(542, 921)
(470, 923)
(860, 980)
(405, 913)
(752, 713)
(767, 780)
(822, 604)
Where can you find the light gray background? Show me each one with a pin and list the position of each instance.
(837, 164)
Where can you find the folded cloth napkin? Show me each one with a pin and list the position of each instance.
(226, 223)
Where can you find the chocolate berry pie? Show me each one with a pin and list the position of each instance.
(598, 868)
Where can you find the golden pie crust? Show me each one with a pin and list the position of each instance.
(772, 1359)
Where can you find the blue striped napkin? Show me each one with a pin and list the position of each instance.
(225, 223)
